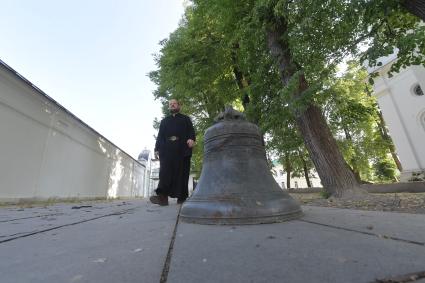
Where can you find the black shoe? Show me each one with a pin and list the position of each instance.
(180, 201)
(160, 199)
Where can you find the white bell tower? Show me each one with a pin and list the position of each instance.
(402, 102)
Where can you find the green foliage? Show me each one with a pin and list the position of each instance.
(353, 118)
(332, 29)
(194, 66)
(219, 55)
(384, 170)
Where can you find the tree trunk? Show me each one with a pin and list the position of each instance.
(353, 167)
(239, 77)
(333, 171)
(288, 170)
(416, 7)
(241, 82)
(336, 177)
(307, 177)
(386, 137)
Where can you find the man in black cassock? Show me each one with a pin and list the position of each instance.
(174, 143)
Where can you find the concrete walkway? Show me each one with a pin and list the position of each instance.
(135, 241)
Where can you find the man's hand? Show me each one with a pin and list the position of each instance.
(190, 143)
(156, 154)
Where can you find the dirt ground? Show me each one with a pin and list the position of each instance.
(399, 202)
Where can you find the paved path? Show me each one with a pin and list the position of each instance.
(107, 242)
(134, 241)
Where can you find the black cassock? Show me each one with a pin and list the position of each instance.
(174, 155)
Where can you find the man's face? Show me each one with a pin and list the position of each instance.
(173, 106)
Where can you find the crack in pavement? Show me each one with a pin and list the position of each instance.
(20, 233)
(65, 225)
(44, 215)
(365, 233)
(166, 268)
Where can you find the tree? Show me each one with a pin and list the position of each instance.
(331, 30)
(336, 177)
(270, 59)
(194, 67)
(383, 132)
(257, 23)
(354, 119)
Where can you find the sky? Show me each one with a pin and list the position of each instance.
(93, 57)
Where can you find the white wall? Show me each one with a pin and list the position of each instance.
(403, 111)
(46, 152)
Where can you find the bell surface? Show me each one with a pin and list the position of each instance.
(236, 186)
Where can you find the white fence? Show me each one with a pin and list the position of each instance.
(46, 152)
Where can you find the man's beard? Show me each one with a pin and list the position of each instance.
(174, 111)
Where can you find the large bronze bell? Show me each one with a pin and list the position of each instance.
(236, 186)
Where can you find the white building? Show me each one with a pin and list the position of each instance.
(402, 102)
(279, 175)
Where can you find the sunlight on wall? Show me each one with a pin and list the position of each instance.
(115, 176)
(101, 143)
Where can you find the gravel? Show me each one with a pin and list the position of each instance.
(399, 202)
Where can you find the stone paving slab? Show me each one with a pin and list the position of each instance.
(26, 211)
(295, 251)
(129, 242)
(123, 247)
(19, 221)
(387, 224)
